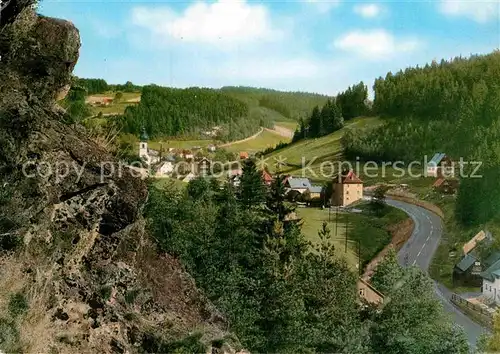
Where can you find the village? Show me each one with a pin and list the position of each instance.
(478, 263)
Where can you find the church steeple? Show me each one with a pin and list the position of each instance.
(143, 145)
(144, 135)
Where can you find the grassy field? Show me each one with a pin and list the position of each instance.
(126, 95)
(287, 124)
(261, 142)
(314, 152)
(366, 229)
(180, 144)
(128, 99)
(313, 219)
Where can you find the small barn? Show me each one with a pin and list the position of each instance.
(446, 185)
(314, 196)
(467, 272)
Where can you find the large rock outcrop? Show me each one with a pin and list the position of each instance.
(78, 272)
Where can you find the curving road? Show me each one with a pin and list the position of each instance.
(419, 251)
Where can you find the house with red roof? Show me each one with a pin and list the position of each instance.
(347, 188)
(446, 185)
(267, 177)
(243, 155)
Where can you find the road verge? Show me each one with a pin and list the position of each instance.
(421, 203)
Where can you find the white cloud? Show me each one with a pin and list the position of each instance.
(324, 6)
(224, 22)
(375, 44)
(367, 10)
(478, 10)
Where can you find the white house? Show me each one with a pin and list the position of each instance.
(234, 177)
(491, 282)
(165, 169)
(211, 148)
(189, 177)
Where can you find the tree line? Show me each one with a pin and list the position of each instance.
(330, 118)
(170, 112)
(94, 86)
(451, 107)
(292, 105)
(281, 293)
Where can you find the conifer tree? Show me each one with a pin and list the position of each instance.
(252, 190)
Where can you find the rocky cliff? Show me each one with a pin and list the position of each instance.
(78, 271)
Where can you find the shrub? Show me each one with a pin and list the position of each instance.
(17, 304)
(9, 336)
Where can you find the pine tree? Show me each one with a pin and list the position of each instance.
(252, 190)
(315, 123)
(325, 247)
(276, 200)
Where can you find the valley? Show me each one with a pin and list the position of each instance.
(234, 220)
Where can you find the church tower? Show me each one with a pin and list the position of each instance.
(143, 145)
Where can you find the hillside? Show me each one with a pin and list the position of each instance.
(316, 151)
(79, 271)
(291, 105)
(453, 107)
(169, 112)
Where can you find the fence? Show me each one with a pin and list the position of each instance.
(475, 311)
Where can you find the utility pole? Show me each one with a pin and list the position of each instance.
(359, 256)
(336, 221)
(346, 229)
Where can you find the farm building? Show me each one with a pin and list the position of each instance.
(446, 185)
(440, 166)
(347, 188)
(297, 184)
(467, 271)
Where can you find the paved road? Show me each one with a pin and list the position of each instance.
(419, 251)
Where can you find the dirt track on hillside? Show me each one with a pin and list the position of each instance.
(243, 140)
(287, 133)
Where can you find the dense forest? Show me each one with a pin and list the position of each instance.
(293, 105)
(170, 112)
(452, 106)
(127, 87)
(94, 86)
(347, 105)
(279, 294)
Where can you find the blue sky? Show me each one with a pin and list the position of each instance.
(310, 45)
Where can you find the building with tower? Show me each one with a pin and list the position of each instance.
(150, 156)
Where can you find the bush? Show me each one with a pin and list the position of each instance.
(9, 336)
(188, 345)
(18, 305)
(9, 242)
